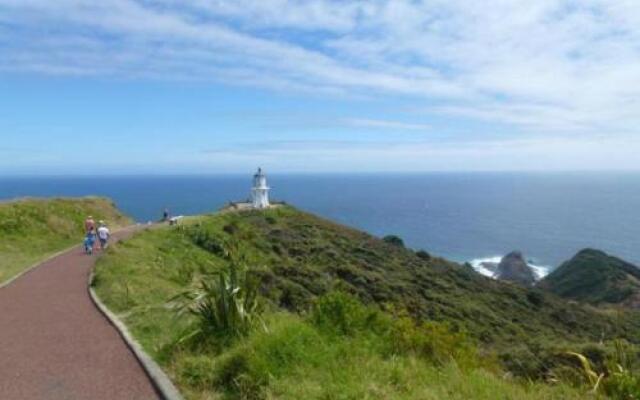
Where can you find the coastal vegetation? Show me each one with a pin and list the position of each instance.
(595, 277)
(341, 314)
(33, 229)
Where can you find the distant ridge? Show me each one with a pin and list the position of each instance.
(595, 277)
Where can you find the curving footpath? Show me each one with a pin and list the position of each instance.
(55, 344)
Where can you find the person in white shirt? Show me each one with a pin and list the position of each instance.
(103, 235)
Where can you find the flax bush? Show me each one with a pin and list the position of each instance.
(225, 304)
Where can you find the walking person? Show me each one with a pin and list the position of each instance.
(165, 215)
(89, 241)
(89, 225)
(103, 235)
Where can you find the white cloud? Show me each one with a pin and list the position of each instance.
(385, 124)
(521, 154)
(544, 66)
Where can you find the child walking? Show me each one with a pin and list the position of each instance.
(89, 241)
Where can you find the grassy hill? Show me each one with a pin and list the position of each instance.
(32, 229)
(595, 277)
(301, 259)
(304, 256)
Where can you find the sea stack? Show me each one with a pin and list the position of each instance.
(514, 268)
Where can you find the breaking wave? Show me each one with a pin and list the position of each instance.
(480, 265)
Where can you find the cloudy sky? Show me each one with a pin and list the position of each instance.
(204, 86)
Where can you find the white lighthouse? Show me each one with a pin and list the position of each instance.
(260, 190)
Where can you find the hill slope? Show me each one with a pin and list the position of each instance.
(300, 259)
(32, 229)
(595, 277)
(302, 256)
(306, 256)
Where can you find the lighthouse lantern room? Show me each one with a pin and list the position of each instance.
(260, 190)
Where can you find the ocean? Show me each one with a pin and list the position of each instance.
(460, 216)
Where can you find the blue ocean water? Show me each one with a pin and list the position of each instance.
(461, 216)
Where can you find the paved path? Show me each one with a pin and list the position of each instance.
(54, 343)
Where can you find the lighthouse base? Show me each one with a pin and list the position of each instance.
(247, 206)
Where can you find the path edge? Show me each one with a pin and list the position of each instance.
(36, 265)
(51, 257)
(159, 379)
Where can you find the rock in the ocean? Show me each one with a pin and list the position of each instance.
(514, 268)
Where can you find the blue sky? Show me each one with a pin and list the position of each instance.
(206, 86)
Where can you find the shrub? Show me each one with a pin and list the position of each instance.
(423, 255)
(617, 380)
(210, 242)
(535, 297)
(469, 267)
(249, 367)
(593, 378)
(394, 240)
(433, 341)
(622, 384)
(230, 228)
(225, 304)
(342, 314)
(622, 381)
(236, 374)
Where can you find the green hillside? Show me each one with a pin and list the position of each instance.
(304, 256)
(300, 258)
(595, 277)
(32, 229)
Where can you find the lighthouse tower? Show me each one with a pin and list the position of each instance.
(260, 190)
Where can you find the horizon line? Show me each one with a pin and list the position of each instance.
(293, 172)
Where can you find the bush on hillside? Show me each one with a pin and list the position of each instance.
(339, 329)
(225, 304)
(609, 368)
(394, 240)
(205, 240)
(550, 361)
(622, 381)
(423, 255)
(434, 341)
(622, 384)
(342, 314)
(246, 370)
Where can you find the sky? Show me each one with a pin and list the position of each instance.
(216, 86)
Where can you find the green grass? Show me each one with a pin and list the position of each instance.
(300, 258)
(138, 276)
(33, 229)
(298, 357)
(295, 360)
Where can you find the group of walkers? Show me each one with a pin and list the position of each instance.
(101, 233)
